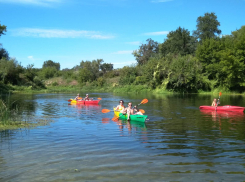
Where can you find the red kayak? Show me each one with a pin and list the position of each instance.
(85, 101)
(224, 108)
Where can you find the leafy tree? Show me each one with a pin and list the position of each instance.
(146, 51)
(3, 53)
(90, 70)
(10, 71)
(3, 29)
(30, 72)
(106, 67)
(48, 72)
(207, 27)
(51, 63)
(178, 42)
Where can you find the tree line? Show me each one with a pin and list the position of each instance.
(184, 62)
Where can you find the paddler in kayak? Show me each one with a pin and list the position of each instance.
(87, 98)
(120, 106)
(136, 110)
(78, 97)
(215, 102)
(128, 110)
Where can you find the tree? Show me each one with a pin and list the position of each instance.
(3, 53)
(3, 29)
(106, 67)
(93, 67)
(207, 27)
(146, 51)
(178, 42)
(51, 63)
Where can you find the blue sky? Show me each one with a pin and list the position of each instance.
(69, 31)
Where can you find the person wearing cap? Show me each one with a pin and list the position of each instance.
(78, 97)
(87, 98)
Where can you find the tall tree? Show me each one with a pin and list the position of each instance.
(146, 51)
(207, 27)
(178, 42)
(106, 67)
(51, 63)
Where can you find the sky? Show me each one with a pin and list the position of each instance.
(69, 31)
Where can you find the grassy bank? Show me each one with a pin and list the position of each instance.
(59, 85)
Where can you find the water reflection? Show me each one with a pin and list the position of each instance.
(178, 143)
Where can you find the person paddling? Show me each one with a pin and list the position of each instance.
(87, 98)
(128, 110)
(137, 111)
(78, 97)
(215, 102)
(120, 106)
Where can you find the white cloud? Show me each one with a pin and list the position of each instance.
(134, 43)
(123, 52)
(55, 33)
(160, 1)
(31, 58)
(157, 33)
(33, 2)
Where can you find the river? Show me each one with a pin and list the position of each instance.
(178, 142)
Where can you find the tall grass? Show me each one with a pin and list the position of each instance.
(7, 115)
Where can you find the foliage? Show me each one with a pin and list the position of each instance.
(51, 63)
(178, 42)
(146, 51)
(47, 72)
(3, 29)
(10, 70)
(4, 53)
(207, 27)
(106, 67)
(224, 59)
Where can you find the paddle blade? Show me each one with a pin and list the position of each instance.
(144, 101)
(105, 110)
(142, 111)
(99, 98)
(69, 100)
(220, 94)
(115, 118)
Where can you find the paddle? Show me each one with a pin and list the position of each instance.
(107, 110)
(219, 98)
(218, 101)
(99, 98)
(144, 101)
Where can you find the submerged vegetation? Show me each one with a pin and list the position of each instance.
(197, 63)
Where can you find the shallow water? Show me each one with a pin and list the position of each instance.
(177, 143)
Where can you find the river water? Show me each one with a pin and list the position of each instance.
(177, 143)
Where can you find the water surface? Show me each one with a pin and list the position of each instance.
(177, 143)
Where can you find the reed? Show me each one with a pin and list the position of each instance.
(7, 115)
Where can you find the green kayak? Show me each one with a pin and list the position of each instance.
(136, 117)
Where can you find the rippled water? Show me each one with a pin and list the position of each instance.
(177, 143)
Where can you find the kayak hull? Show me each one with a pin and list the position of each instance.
(226, 108)
(85, 101)
(135, 117)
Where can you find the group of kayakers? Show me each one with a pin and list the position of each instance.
(80, 98)
(128, 110)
